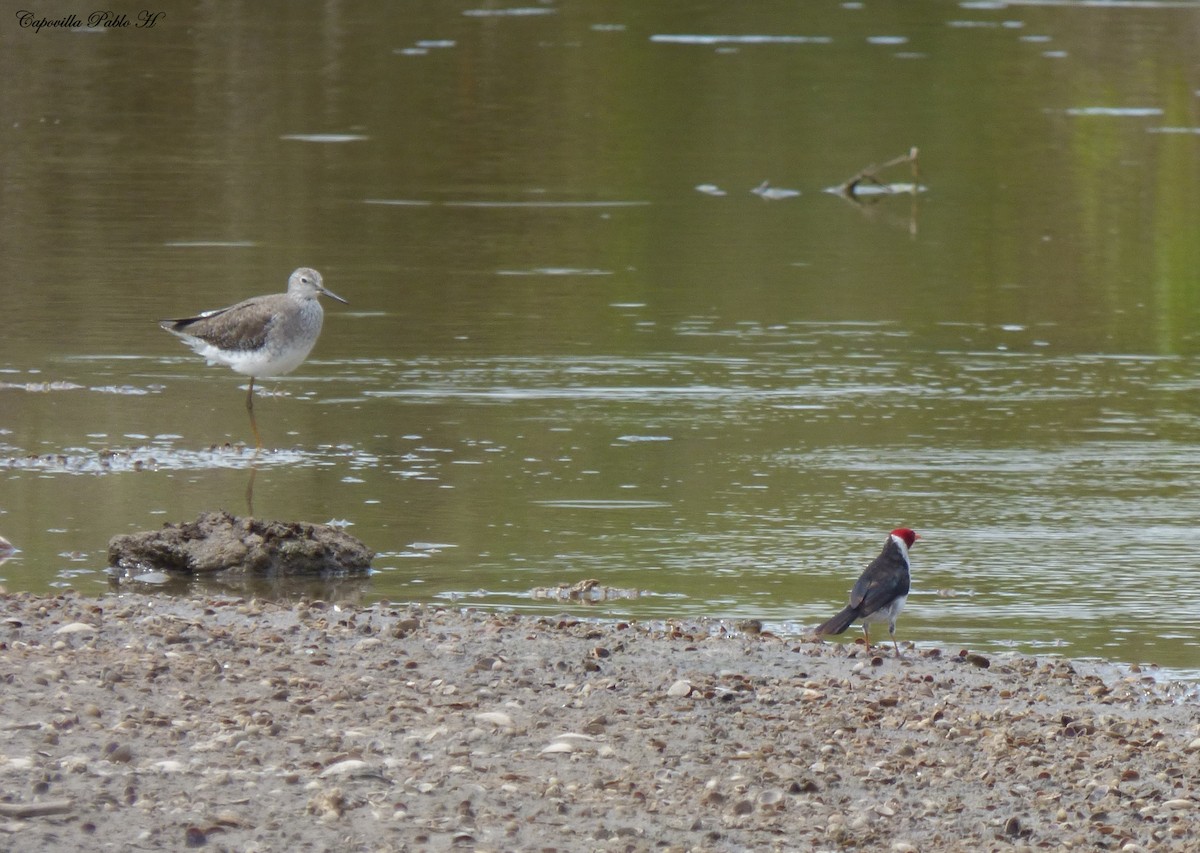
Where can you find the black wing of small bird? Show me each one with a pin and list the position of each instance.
(885, 580)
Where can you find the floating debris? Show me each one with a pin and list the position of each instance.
(514, 12)
(150, 578)
(582, 503)
(422, 47)
(325, 137)
(770, 193)
(150, 458)
(487, 203)
(865, 190)
(703, 39)
(1120, 112)
(555, 271)
(587, 591)
(867, 182)
(210, 244)
(40, 387)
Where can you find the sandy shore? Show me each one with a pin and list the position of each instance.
(141, 723)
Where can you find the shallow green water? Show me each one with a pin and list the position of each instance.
(580, 345)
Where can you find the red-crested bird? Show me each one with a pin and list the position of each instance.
(881, 591)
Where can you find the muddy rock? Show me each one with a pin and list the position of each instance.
(218, 542)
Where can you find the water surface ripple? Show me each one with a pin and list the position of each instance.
(751, 480)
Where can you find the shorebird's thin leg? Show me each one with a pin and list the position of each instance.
(866, 635)
(250, 486)
(253, 423)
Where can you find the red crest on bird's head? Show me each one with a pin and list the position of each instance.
(909, 536)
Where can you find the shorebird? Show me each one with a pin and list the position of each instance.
(880, 593)
(263, 336)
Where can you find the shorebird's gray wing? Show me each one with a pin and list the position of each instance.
(244, 326)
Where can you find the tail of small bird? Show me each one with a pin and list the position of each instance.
(839, 623)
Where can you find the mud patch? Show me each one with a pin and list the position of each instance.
(220, 543)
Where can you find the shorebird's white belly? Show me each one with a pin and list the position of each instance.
(254, 362)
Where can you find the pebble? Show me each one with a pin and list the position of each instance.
(119, 753)
(558, 746)
(76, 628)
(770, 797)
(496, 718)
(348, 767)
(680, 689)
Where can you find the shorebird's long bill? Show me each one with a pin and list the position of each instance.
(333, 295)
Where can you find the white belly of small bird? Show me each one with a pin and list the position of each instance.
(886, 614)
